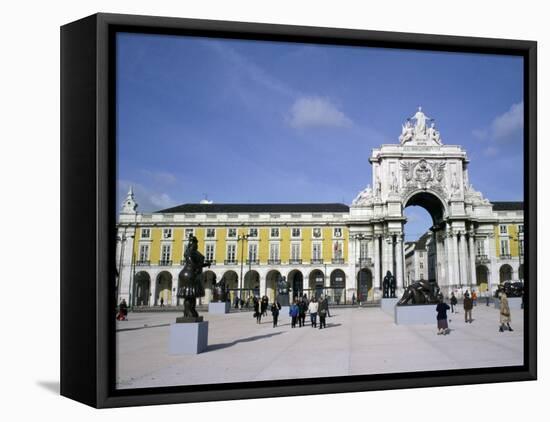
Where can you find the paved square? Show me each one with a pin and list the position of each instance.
(356, 341)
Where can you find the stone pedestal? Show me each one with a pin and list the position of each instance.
(284, 300)
(219, 307)
(388, 304)
(513, 303)
(188, 338)
(284, 311)
(415, 314)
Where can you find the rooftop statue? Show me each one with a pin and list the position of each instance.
(421, 119)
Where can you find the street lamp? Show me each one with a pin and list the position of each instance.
(242, 237)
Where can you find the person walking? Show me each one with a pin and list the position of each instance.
(454, 302)
(257, 310)
(324, 304)
(468, 305)
(353, 300)
(474, 297)
(313, 309)
(442, 323)
(302, 309)
(293, 313)
(323, 310)
(505, 316)
(487, 297)
(275, 308)
(263, 305)
(161, 302)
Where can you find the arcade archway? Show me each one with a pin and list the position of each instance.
(365, 290)
(296, 280)
(164, 289)
(338, 285)
(505, 273)
(316, 283)
(142, 288)
(271, 279)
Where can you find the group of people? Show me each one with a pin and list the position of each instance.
(316, 307)
(260, 308)
(469, 301)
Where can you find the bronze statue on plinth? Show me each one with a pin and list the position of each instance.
(191, 281)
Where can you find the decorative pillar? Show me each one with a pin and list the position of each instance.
(473, 280)
(399, 261)
(376, 259)
(449, 269)
(463, 260)
(454, 259)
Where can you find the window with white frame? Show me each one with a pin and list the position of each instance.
(231, 252)
(145, 233)
(253, 232)
(295, 251)
(209, 251)
(274, 251)
(210, 233)
(296, 232)
(421, 265)
(363, 249)
(189, 233)
(504, 247)
(144, 252)
(167, 233)
(338, 250)
(317, 251)
(232, 233)
(274, 232)
(317, 232)
(503, 229)
(520, 228)
(337, 232)
(166, 252)
(480, 247)
(252, 251)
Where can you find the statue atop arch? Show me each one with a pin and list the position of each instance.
(419, 132)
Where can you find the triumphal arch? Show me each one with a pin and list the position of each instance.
(421, 170)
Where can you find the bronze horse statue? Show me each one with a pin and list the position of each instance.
(421, 292)
(191, 281)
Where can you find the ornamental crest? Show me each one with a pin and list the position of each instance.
(422, 174)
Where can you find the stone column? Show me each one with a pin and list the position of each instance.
(449, 267)
(473, 280)
(376, 259)
(463, 259)
(399, 261)
(491, 252)
(153, 289)
(454, 258)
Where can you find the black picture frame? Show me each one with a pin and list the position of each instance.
(88, 151)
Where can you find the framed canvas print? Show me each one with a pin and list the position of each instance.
(254, 210)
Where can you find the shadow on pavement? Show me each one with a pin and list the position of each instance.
(243, 340)
(142, 328)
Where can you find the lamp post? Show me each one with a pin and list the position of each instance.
(122, 239)
(242, 238)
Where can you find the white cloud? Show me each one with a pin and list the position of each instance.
(160, 177)
(316, 112)
(508, 123)
(504, 126)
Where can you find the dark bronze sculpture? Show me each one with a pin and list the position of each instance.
(221, 291)
(283, 291)
(388, 286)
(392, 286)
(421, 292)
(191, 281)
(511, 289)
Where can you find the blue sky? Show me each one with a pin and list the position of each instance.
(249, 121)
